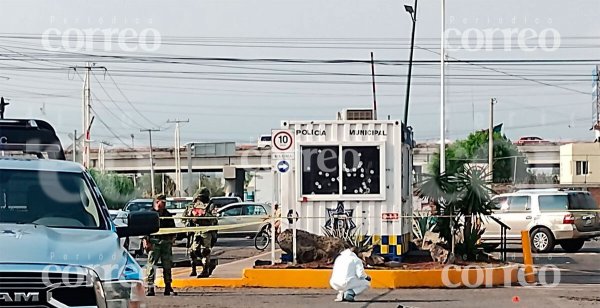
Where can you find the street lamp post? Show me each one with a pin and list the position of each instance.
(413, 15)
(443, 90)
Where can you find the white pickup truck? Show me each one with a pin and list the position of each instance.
(59, 247)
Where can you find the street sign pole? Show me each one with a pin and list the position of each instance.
(282, 153)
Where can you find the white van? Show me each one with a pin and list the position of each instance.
(264, 142)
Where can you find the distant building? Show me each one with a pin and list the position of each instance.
(580, 163)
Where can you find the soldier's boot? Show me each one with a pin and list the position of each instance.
(205, 268)
(193, 273)
(169, 290)
(213, 265)
(205, 273)
(150, 291)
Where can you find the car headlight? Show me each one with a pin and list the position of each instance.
(124, 294)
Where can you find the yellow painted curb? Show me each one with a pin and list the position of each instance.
(287, 278)
(448, 277)
(204, 282)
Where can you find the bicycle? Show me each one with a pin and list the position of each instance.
(262, 240)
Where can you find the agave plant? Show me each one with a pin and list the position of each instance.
(351, 238)
(422, 223)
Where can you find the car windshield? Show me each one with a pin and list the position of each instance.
(52, 199)
(220, 202)
(137, 206)
(177, 204)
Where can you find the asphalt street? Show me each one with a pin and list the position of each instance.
(578, 285)
(564, 296)
(582, 267)
(226, 250)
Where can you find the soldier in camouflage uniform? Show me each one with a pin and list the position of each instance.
(160, 247)
(202, 240)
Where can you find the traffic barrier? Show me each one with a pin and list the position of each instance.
(527, 258)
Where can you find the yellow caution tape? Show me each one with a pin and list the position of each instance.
(212, 217)
(342, 216)
(164, 231)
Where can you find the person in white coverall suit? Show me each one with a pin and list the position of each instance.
(349, 277)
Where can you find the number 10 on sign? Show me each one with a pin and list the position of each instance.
(282, 141)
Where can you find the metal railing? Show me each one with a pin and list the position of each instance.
(503, 239)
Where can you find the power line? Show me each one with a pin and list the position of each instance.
(474, 63)
(110, 130)
(117, 105)
(127, 99)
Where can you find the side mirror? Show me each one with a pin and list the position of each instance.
(140, 223)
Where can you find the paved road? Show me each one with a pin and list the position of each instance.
(575, 268)
(564, 296)
(579, 287)
(227, 250)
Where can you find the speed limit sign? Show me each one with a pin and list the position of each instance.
(282, 141)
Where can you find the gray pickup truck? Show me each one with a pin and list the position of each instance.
(58, 245)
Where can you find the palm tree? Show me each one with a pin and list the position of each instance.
(463, 200)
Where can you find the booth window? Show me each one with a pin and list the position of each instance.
(361, 170)
(320, 170)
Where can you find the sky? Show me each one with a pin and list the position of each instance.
(237, 68)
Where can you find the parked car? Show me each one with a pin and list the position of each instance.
(177, 206)
(113, 214)
(243, 213)
(220, 202)
(132, 244)
(136, 205)
(528, 140)
(51, 213)
(552, 216)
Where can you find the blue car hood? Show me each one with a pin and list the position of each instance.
(37, 245)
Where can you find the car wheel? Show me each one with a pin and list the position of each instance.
(572, 245)
(542, 240)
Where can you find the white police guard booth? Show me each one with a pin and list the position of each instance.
(353, 173)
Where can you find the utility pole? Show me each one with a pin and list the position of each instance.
(491, 141)
(86, 119)
(178, 179)
(150, 130)
(75, 146)
(101, 156)
(373, 82)
(443, 93)
(3, 105)
(596, 104)
(87, 107)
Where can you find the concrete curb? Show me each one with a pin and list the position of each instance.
(449, 277)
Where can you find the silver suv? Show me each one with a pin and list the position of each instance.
(552, 216)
